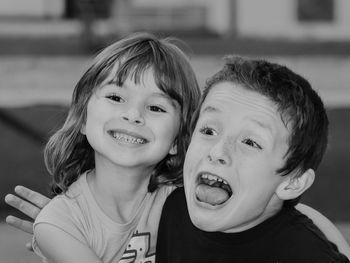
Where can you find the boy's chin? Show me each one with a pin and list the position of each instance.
(205, 215)
(204, 224)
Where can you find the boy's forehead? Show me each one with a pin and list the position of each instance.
(228, 93)
(236, 107)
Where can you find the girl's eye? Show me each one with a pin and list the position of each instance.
(115, 98)
(156, 108)
(208, 131)
(252, 143)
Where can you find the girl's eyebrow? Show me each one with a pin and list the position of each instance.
(165, 96)
(112, 82)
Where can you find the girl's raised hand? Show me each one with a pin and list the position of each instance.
(28, 202)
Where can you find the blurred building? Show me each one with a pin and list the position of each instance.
(19, 9)
(294, 19)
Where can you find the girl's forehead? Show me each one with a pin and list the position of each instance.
(131, 71)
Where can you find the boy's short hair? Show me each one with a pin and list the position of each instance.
(299, 105)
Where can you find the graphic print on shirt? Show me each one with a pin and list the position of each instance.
(138, 248)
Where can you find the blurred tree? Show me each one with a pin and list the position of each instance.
(88, 11)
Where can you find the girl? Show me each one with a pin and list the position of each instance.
(125, 136)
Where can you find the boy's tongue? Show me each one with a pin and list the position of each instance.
(211, 194)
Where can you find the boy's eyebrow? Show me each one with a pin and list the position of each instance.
(264, 126)
(209, 109)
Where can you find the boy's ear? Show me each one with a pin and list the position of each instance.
(293, 186)
(173, 149)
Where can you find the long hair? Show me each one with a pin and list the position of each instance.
(68, 153)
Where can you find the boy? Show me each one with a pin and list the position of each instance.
(260, 135)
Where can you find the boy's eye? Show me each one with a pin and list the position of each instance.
(156, 108)
(207, 131)
(115, 98)
(252, 143)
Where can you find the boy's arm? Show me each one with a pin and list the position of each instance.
(327, 227)
(31, 208)
(58, 246)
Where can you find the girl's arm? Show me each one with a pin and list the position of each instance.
(327, 227)
(31, 208)
(58, 246)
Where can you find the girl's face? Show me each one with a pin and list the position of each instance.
(132, 126)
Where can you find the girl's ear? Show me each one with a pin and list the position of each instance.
(83, 129)
(293, 186)
(173, 149)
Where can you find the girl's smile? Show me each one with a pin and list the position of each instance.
(126, 137)
(132, 125)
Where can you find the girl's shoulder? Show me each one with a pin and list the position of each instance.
(155, 200)
(78, 187)
(165, 190)
(68, 202)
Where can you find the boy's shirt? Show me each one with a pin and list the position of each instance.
(287, 237)
(78, 214)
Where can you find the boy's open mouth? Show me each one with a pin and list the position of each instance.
(212, 189)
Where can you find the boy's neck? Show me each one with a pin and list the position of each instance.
(269, 226)
(273, 208)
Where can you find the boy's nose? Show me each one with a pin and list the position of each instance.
(220, 154)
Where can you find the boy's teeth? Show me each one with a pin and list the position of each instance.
(213, 177)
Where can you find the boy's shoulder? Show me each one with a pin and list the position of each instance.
(175, 208)
(303, 240)
(177, 193)
(176, 198)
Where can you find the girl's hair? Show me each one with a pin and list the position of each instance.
(68, 153)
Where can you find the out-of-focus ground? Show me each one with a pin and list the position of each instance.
(38, 74)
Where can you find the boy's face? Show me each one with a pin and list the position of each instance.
(230, 169)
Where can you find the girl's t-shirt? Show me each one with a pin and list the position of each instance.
(77, 213)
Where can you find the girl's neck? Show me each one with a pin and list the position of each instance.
(119, 191)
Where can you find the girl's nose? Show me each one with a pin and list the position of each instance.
(220, 154)
(133, 116)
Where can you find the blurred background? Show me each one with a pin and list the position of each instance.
(46, 45)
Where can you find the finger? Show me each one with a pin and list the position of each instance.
(29, 246)
(34, 197)
(23, 206)
(23, 225)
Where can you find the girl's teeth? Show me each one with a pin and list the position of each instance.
(128, 139)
